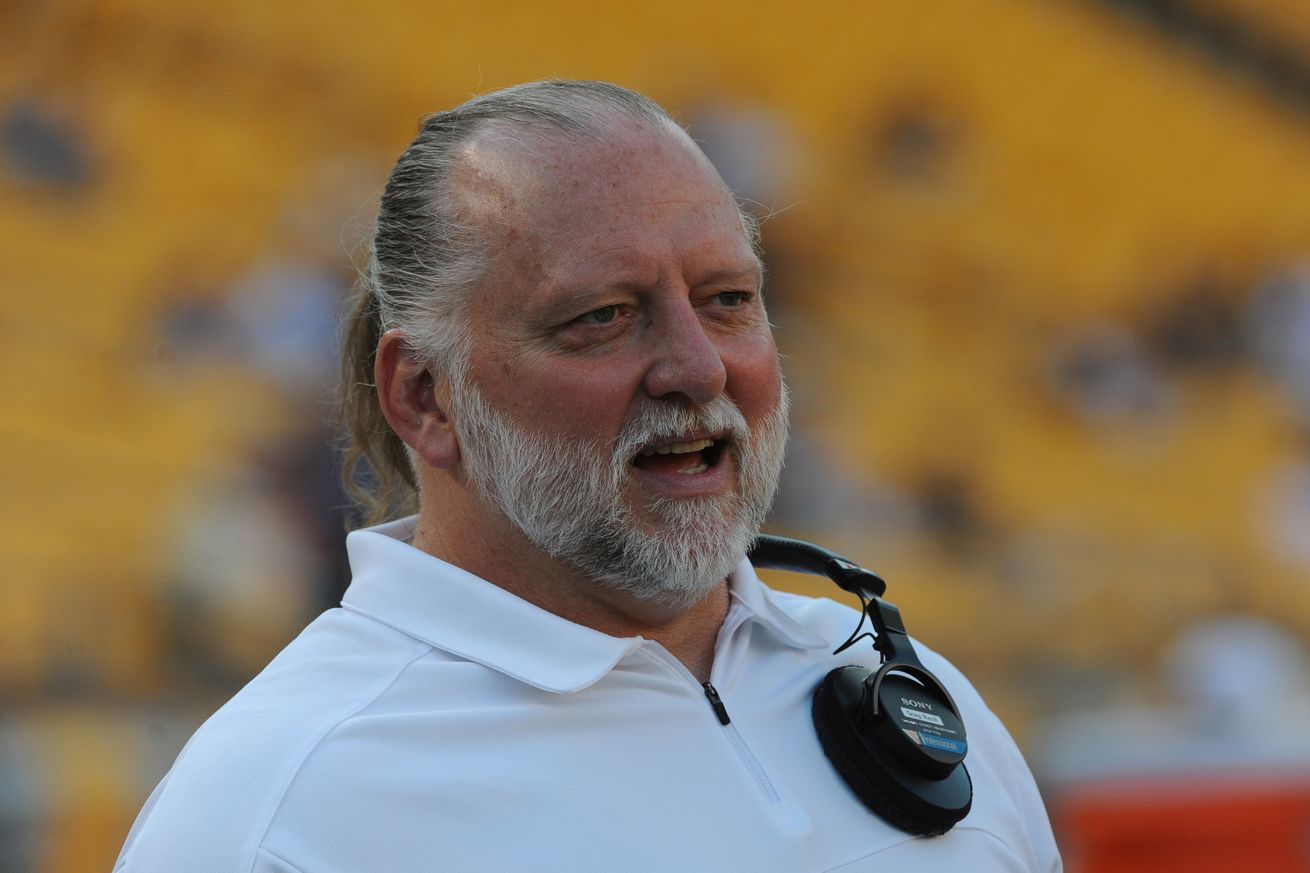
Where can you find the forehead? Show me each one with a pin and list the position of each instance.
(637, 199)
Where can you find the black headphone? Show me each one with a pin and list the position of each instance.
(894, 733)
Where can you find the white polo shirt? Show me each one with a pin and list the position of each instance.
(436, 722)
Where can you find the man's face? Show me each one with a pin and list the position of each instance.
(623, 403)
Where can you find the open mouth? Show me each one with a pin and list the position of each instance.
(685, 458)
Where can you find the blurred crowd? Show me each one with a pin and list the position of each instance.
(1068, 419)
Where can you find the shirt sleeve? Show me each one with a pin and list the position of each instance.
(1013, 770)
(1023, 788)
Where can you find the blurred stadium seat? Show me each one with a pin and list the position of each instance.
(992, 214)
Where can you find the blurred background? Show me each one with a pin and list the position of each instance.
(1041, 275)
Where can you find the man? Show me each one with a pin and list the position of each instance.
(563, 661)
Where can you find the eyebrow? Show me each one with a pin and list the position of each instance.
(579, 290)
(754, 271)
(564, 295)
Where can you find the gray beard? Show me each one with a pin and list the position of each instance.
(573, 508)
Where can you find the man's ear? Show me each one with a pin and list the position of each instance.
(415, 402)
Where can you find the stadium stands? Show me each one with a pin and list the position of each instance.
(992, 214)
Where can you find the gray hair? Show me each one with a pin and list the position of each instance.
(424, 261)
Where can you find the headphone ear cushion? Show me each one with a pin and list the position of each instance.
(911, 802)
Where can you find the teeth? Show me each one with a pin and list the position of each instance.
(696, 470)
(679, 448)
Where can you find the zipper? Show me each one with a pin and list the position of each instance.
(735, 739)
(739, 743)
(716, 702)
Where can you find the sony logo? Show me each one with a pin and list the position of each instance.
(917, 704)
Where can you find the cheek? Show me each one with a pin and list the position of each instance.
(589, 402)
(755, 379)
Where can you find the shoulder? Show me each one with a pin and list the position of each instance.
(211, 810)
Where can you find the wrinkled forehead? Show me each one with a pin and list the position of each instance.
(557, 188)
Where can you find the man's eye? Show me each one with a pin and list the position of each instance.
(604, 315)
(732, 298)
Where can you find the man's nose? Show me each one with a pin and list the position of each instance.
(687, 361)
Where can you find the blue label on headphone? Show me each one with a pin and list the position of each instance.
(943, 743)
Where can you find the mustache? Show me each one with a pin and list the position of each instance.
(668, 422)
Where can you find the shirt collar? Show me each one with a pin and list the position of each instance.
(465, 615)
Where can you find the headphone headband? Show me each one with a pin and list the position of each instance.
(783, 553)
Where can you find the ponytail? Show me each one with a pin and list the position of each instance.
(376, 471)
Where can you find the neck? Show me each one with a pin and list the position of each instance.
(500, 554)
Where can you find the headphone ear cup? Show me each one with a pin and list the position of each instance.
(910, 801)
